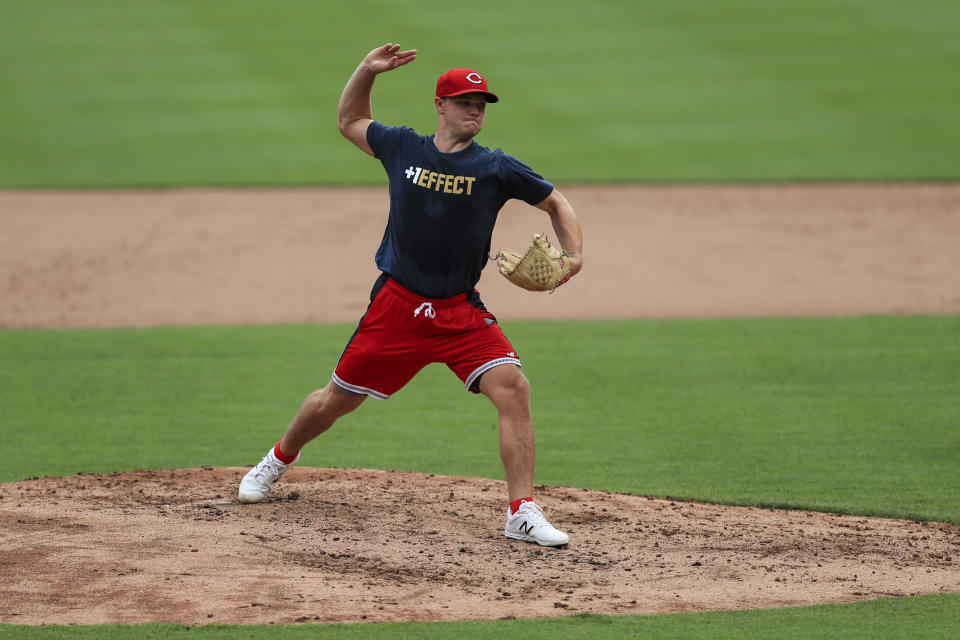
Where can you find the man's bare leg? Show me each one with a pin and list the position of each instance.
(317, 414)
(509, 391)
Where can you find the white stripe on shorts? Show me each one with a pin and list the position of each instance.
(352, 388)
(490, 365)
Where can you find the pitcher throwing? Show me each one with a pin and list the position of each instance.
(446, 191)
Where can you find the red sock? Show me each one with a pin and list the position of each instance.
(516, 504)
(282, 457)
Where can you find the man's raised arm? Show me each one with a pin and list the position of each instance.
(354, 113)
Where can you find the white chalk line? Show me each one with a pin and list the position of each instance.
(198, 503)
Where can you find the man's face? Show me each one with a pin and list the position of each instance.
(464, 113)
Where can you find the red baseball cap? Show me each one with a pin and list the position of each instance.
(457, 82)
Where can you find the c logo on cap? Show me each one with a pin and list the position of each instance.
(474, 77)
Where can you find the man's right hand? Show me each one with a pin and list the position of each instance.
(388, 57)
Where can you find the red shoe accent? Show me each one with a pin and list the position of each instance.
(282, 457)
(516, 504)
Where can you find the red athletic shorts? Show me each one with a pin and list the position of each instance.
(402, 332)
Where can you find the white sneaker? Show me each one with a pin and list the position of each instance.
(257, 484)
(530, 525)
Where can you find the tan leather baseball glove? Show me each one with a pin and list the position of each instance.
(542, 268)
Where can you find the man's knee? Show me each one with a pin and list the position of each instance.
(506, 383)
(331, 402)
(517, 384)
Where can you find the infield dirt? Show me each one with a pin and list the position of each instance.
(358, 545)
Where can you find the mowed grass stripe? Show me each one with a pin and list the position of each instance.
(177, 92)
(921, 618)
(854, 415)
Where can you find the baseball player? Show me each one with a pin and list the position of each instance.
(445, 193)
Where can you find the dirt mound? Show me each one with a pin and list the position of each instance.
(357, 545)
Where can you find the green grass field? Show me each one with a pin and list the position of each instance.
(854, 415)
(892, 619)
(187, 92)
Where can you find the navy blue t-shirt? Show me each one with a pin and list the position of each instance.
(443, 207)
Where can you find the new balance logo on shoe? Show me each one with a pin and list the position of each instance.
(530, 525)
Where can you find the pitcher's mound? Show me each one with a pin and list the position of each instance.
(356, 545)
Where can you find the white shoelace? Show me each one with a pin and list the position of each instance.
(534, 514)
(271, 466)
